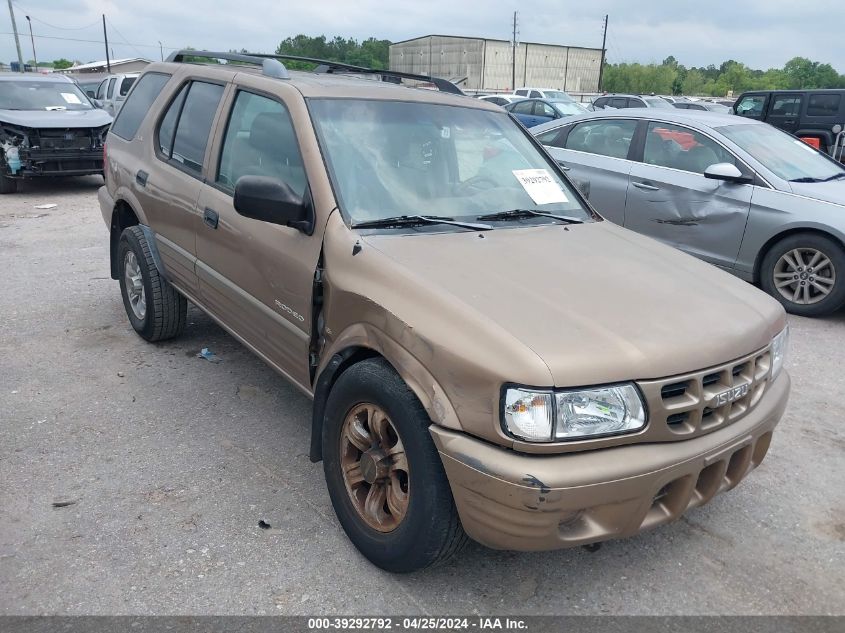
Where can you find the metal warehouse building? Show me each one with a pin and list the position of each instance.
(483, 64)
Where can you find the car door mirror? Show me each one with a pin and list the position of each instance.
(271, 200)
(91, 93)
(726, 172)
(97, 103)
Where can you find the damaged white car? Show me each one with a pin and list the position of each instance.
(737, 193)
(48, 127)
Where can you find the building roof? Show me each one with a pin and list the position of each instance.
(490, 39)
(113, 62)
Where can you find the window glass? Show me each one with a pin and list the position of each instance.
(497, 100)
(168, 123)
(552, 137)
(823, 105)
(619, 102)
(111, 88)
(544, 109)
(751, 106)
(125, 85)
(681, 148)
(535, 94)
(388, 158)
(522, 93)
(138, 104)
(608, 138)
(601, 102)
(657, 102)
(48, 94)
(101, 89)
(260, 141)
(786, 105)
(523, 107)
(194, 124)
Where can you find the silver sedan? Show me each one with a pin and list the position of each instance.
(737, 193)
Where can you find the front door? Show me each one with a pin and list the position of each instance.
(785, 111)
(255, 276)
(670, 199)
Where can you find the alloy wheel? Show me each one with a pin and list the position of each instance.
(134, 283)
(804, 276)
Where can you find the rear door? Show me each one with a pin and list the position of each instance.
(785, 111)
(595, 152)
(524, 112)
(543, 113)
(256, 276)
(670, 199)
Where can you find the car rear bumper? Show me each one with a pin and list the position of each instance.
(510, 500)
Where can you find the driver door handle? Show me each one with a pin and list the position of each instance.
(563, 166)
(646, 186)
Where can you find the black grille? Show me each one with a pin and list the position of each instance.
(674, 390)
(677, 418)
(710, 379)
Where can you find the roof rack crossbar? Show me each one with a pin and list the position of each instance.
(328, 66)
(269, 67)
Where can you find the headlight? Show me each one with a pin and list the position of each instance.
(780, 345)
(539, 416)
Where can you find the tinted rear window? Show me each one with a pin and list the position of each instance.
(138, 104)
(823, 105)
(194, 125)
(125, 85)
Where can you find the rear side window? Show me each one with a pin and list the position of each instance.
(260, 141)
(552, 138)
(823, 105)
(601, 102)
(523, 107)
(786, 105)
(193, 125)
(136, 106)
(607, 138)
(619, 102)
(168, 123)
(125, 85)
(535, 94)
(522, 93)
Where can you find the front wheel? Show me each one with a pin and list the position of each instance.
(806, 273)
(384, 474)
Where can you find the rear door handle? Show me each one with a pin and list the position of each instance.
(647, 187)
(210, 217)
(141, 178)
(563, 166)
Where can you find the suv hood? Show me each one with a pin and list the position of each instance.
(833, 191)
(595, 302)
(56, 118)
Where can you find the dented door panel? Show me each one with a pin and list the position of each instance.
(703, 217)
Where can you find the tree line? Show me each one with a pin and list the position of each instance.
(672, 78)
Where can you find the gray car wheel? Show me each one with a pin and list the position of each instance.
(806, 273)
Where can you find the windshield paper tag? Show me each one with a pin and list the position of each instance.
(69, 97)
(539, 184)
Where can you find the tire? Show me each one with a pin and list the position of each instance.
(160, 312)
(7, 185)
(788, 263)
(430, 531)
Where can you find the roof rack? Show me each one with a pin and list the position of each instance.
(328, 66)
(269, 67)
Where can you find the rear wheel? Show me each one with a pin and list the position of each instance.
(154, 307)
(384, 474)
(7, 185)
(806, 273)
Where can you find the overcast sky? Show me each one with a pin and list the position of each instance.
(760, 33)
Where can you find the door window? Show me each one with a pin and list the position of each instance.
(637, 103)
(607, 138)
(823, 105)
(681, 148)
(522, 93)
(619, 102)
(751, 106)
(523, 107)
(125, 85)
(786, 105)
(535, 95)
(101, 89)
(601, 102)
(193, 125)
(260, 141)
(132, 113)
(111, 88)
(544, 109)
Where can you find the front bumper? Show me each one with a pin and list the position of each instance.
(509, 500)
(38, 163)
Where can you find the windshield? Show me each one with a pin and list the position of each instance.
(568, 108)
(557, 94)
(657, 102)
(42, 95)
(389, 158)
(783, 154)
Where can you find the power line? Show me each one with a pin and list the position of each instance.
(60, 28)
(123, 38)
(75, 39)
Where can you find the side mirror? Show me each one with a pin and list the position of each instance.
(726, 172)
(91, 93)
(271, 200)
(837, 128)
(97, 103)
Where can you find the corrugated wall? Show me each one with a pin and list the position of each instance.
(488, 64)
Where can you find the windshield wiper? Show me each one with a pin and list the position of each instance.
(416, 220)
(523, 213)
(834, 177)
(806, 179)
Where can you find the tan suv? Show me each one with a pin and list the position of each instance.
(486, 355)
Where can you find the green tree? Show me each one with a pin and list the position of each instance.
(62, 63)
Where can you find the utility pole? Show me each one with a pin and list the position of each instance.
(603, 50)
(513, 48)
(160, 50)
(106, 38)
(17, 40)
(32, 39)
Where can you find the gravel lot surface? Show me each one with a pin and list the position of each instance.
(168, 462)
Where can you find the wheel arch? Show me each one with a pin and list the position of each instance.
(123, 216)
(361, 342)
(794, 230)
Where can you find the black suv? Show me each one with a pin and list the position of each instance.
(805, 113)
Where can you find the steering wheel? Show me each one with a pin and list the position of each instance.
(479, 182)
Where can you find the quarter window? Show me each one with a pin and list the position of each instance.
(193, 125)
(823, 105)
(552, 138)
(681, 148)
(135, 108)
(260, 141)
(168, 123)
(607, 138)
